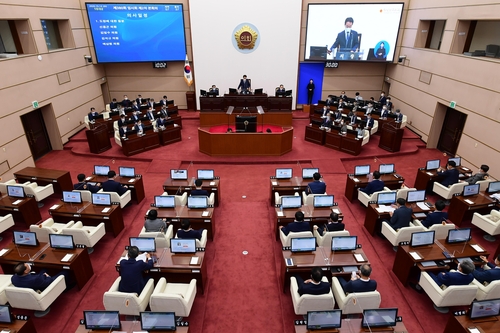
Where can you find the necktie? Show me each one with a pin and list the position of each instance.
(347, 39)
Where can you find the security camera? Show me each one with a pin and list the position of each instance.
(89, 58)
(402, 58)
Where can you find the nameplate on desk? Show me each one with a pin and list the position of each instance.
(187, 188)
(214, 189)
(469, 202)
(88, 178)
(212, 184)
(131, 180)
(105, 210)
(274, 183)
(477, 248)
(208, 221)
(415, 255)
(154, 270)
(54, 180)
(17, 202)
(195, 271)
(429, 173)
(4, 251)
(67, 257)
(205, 213)
(15, 209)
(280, 214)
(359, 257)
(34, 178)
(105, 217)
(335, 210)
(54, 207)
(466, 169)
(76, 215)
(194, 260)
(356, 180)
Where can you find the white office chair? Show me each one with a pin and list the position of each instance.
(173, 297)
(200, 242)
(483, 184)
(86, 121)
(89, 236)
(306, 302)
(129, 304)
(118, 139)
(374, 128)
(448, 192)
(47, 227)
(3, 186)
(123, 199)
(39, 192)
(354, 302)
(6, 222)
(286, 240)
(366, 137)
(277, 198)
(487, 291)
(86, 195)
(401, 235)
(489, 223)
(5, 281)
(365, 198)
(180, 200)
(307, 199)
(162, 240)
(403, 192)
(326, 239)
(441, 230)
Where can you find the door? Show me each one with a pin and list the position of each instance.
(36, 133)
(451, 132)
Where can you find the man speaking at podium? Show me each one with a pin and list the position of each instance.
(347, 40)
(245, 85)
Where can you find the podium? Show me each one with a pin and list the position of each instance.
(98, 139)
(390, 137)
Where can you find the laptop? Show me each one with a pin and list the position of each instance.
(180, 246)
(324, 320)
(101, 170)
(322, 201)
(284, 173)
(102, 320)
(493, 187)
(377, 318)
(126, 171)
(197, 202)
(361, 170)
(72, 197)
(307, 173)
(165, 201)
(61, 242)
(5, 315)
(25, 238)
(158, 321)
(145, 244)
(344, 243)
(303, 244)
(180, 174)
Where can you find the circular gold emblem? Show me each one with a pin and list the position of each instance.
(246, 37)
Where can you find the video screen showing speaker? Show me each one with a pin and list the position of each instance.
(246, 124)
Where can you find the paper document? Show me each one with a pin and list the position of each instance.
(17, 202)
(194, 260)
(385, 209)
(212, 183)
(274, 183)
(205, 213)
(67, 257)
(3, 252)
(359, 257)
(469, 202)
(131, 180)
(473, 330)
(105, 210)
(495, 196)
(428, 263)
(477, 248)
(88, 178)
(356, 180)
(422, 206)
(280, 214)
(54, 207)
(335, 210)
(415, 255)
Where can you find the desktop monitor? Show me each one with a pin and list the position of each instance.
(458, 235)
(307, 173)
(344, 243)
(457, 160)
(126, 171)
(432, 165)
(61, 242)
(288, 93)
(303, 244)
(470, 190)
(233, 91)
(486, 308)
(386, 198)
(5, 314)
(165, 201)
(203, 93)
(291, 201)
(206, 174)
(284, 173)
(493, 187)
(258, 91)
(179, 245)
(386, 169)
(101, 170)
(15, 191)
(157, 321)
(361, 170)
(379, 317)
(72, 197)
(320, 201)
(102, 320)
(197, 202)
(246, 124)
(415, 196)
(103, 199)
(178, 174)
(324, 320)
(25, 238)
(145, 244)
(422, 238)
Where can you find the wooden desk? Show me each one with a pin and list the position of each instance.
(407, 269)
(215, 118)
(315, 135)
(287, 186)
(133, 326)
(61, 180)
(20, 326)
(98, 139)
(195, 217)
(352, 186)
(136, 187)
(26, 211)
(135, 144)
(90, 215)
(170, 135)
(352, 325)
(348, 143)
(459, 207)
(460, 324)
(79, 266)
(177, 187)
(373, 219)
(222, 102)
(425, 179)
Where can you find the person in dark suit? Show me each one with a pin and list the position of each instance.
(399, 116)
(384, 113)
(337, 116)
(347, 40)
(381, 52)
(316, 186)
(122, 121)
(310, 91)
(83, 186)
(161, 122)
(370, 122)
(186, 232)
(111, 185)
(134, 117)
(401, 216)
(332, 225)
(325, 112)
(131, 272)
(135, 107)
(352, 118)
(343, 95)
(198, 191)
(214, 90)
(481, 175)
(437, 216)
(296, 226)
(327, 122)
(360, 283)
(113, 105)
(341, 103)
(329, 101)
(245, 86)
(24, 278)
(463, 275)
(164, 101)
(153, 223)
(382, 100)
(388, 103)
(151, 103)
(487, 275)
(126, 102)
(93, 114)
(280, 91)
(450, 174)
(150, 115)
(138, 127)
(124, 131)
(139, 100)
(375, 185)
(369, 109)
(314, 285)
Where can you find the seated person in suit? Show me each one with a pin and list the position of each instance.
(341, 103)
(388, 103)
(214, 90)
(329, 101)
(24, 278)
(487, 275)
(369, 109)
(122, 121)
(126, 102)
(111, 185)
(151, 103)
(113, 105)
(314, 285)
(384, 113)
(375, 185)
(83, 186)
(149, 114)
(245, 86)
(199, 191)
(360, 131)
(401, 216)
(135, 107)
(138, 127)
(124, 131)
(280, 91)
(332, 225)
(164, 111)
(121, 109)
(296, 226)
(450, 174)
(370, 122)
(359, 283)
(135, 117)
(481, 175)
(463, 275)
(325, 112)
(161, 122)
(342, 95)
(337, 116)
(163, 101)
(153, 223)
(316, 186)
(93, 114)
(399, 116)
(186, 232)
(327, 122)
(131, 271)
(352, 118)
(357, 97)
(437, 216)
(343, 127)
(139, 100)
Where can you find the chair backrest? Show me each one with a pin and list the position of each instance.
(308, 199)
(491, 291)
(483, 184)
(161, 240)
(291, 235)
(80, 236)
(42, 233)
(458, 295)
(358, 302)
(86, 195)
(326, 240)
(441, 230)
(3, 186)
(403, 192)
(404, 234)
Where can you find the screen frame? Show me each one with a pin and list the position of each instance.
(460, 241)
(163, 196)
(363, 323)
(495, 300)
(293, 240)
(101, 204)
(149, 329)
(362, 174)
(125, 167)
(202, 170)
(386, 193)
(24, 232)
(323, 195)
(98, 174)
(15, 196)
(118, 325)
(61, 235)
(489, 185)
(344, 237)
(316, 170)
(295, 197)
(172, 171)
(151, 239)
(79, 194)
(427, 164)
(197, 196)
(422, 232)
(9, 311)
(413, 191)
(276, 173)
(454, 159)
(477, 186)
(183, 240)
(387, 173)
(339, 325)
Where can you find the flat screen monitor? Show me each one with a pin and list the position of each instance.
(361, 170)
(415, 196)
(180, 174)
(344, 243)
(471, 190)
(379, 317)
(25, 238)
(324, 320)
(284, 173)
(197, 202)
(288, 93)
(165, 201)
(126, 171)
(5, 314)
(432, 165)
(206, 174)
(137, 32)
(374, 26)
(457, 160)
(61, 242)
(458, 235)
(386, 198)
(320, 201)
(487, 308)
(291, 201)
(101, 170)
(307, 173)
(233, 91)
(103, 199)
(246, 124)
(179, 245)
(493, 187)
(158, 321)
(386, 169)
(102, 320)
(303, 244)
(145, 244)
(72, 197)
(422, 238)
(203, 93)
(15, 191)
(258, 91)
